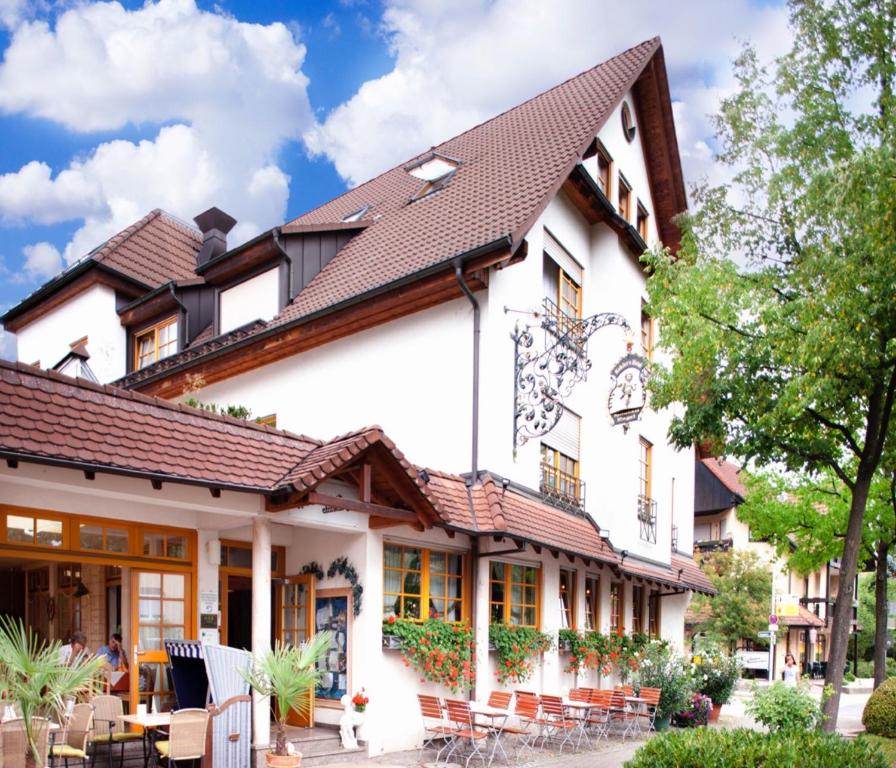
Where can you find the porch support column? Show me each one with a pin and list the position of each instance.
(261, 620)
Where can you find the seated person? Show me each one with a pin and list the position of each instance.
(75, 648)
(113, 653)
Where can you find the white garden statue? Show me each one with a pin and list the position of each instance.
(347, 723)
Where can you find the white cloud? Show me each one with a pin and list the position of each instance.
(42, 260)
(459, 64)
(12, 12)
(228, 94)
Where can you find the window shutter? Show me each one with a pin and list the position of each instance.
(565, 436)
(562, 257)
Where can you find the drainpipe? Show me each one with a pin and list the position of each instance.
(458, 274)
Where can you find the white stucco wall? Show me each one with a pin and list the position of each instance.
(253, 299)
(90, 313)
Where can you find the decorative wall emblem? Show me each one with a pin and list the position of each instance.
(628, 389)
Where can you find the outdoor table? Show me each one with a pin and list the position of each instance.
(634, 707)
(583, 712)
(494, 714)
(150, 722)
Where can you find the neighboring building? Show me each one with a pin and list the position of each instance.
(412, 302)
(718, 491)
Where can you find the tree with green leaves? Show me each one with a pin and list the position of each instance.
(778, 307)
(740, 607)
(805, 519)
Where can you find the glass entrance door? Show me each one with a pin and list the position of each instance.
(295, 625)
(161, 610)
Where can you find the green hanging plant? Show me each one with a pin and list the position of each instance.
(517, 649)
(342, 567)
(439, 651)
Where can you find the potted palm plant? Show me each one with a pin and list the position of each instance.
(287, 674)
(35, 676)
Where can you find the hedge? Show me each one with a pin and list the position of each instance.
(879, 716)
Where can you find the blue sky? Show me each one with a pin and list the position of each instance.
(267, 108)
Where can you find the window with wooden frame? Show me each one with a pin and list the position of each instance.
(637, 610)
(97, 537)
(152, 344)
(604, 170)
(653, 614)
(616, 607)
(562, 285)
(645, 470)
(625, 198)
(414, 577)
(514, 594)
(165, 544)
(642, 221)
(567, 599)
(559, 475)
(646, 333)
(34, 530)
(592, 603)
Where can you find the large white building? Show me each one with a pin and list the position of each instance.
(441, 301)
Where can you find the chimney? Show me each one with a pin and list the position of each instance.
(214, 224)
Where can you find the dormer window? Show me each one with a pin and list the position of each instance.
(152, 344)
(434, 171)
(355, 215)
(257, 298)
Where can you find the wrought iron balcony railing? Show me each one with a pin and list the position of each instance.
(561, 489)
(565, 327)
(647, 518)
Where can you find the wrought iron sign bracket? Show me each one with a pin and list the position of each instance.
(544, 378)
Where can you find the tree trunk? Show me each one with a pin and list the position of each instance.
(845, 595)
(880, 613)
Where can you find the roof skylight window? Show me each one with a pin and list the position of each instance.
(434, 170)
(355, 215)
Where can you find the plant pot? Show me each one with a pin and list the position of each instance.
(392, 642)
(284, 761)
(662, 723)
(714, 712)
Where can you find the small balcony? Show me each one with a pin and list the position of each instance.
(647, 518)
(712, 545)
(562, 490)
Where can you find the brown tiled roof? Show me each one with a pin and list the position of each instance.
(154, 250)
(805, 618)
(330, 457)
(728, 474)
(694, 616)
(512, 514)
(510, 167)
(68, 421)
(47, 416)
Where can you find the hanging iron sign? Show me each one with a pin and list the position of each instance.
(628, 389)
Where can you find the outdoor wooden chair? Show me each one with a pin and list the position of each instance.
(434, 727)
(648, 710)
(599, 714)
(15, 743)
(75, 735)
(620, 713)
(108, 730)
(186, 737)
(555, 723)
(497, 700)
(465, 731)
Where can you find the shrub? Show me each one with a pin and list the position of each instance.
(784, 708)
(718, 748)
(696, 714)
(879, 716)
(661, 668)
(715, 675)
(605, 653)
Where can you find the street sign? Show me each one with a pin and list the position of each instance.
(765, 634)
(787, 605)
(772, 629)
(773, 619)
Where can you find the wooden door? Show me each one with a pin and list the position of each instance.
(161, 609)
(295, 624)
